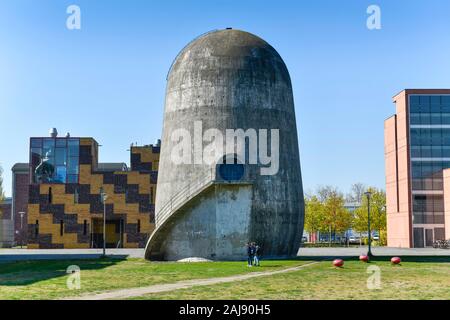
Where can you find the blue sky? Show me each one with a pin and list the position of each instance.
(107, 80)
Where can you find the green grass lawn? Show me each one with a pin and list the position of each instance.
(415, 278)
(47, 279)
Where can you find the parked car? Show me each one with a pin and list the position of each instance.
(353, 240)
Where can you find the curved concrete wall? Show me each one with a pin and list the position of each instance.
(231, 79)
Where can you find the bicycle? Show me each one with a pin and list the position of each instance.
(441, 244)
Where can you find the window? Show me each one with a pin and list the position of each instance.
(50, 196)
(439, 233)
(61, 228)
(85, 227)
(231, 169)
(54, 160)
(36, 228)
(61, 156)
(139, 226)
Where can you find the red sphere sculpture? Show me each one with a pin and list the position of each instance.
(364, 258)
(338, 263)
(396, 260)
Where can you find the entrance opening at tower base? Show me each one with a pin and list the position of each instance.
(114, 233)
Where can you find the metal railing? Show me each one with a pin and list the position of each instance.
(182, 196)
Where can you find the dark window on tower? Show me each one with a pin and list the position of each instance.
(36, 229)
(85, 227)
(61, 227)
(139, 226)
(50, 197)
(231, 169)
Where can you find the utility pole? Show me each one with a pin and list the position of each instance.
(369, 237)
(21, 228)
(104, 196)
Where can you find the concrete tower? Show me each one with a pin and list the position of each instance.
(228, 79)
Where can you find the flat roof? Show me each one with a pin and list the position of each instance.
(112, 166)
(422, 91)
(20, 167)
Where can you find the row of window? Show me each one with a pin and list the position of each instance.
(85, 227)
(432, 103)
(430, 152)
(76, 196)
(428, 209)
(428, 218)
(427, 184)
(428, 203)
(427, 118)
(428, 169)
(430, 137)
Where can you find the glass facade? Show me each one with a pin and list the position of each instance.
(54, 160)
(429, 119)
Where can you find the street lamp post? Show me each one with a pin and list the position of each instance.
(21, 228)
(369, 236)
(104, 197)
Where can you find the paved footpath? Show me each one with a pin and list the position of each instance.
(377, 251)
(12, 255)
(137, 292)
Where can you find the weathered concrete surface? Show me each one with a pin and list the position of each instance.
(214, 226)
(231, 79)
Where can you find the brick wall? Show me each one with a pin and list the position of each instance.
(21, 186)
(68, 215)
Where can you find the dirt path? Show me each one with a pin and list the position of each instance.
(137, 292)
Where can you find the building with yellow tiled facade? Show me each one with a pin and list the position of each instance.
(65, 203)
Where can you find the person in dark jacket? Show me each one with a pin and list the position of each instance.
(250, 254)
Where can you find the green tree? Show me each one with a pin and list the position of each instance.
(377, 213)
(336, 219)
(314, 215)
(2, 192)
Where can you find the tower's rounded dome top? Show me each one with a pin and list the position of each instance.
(230, 49)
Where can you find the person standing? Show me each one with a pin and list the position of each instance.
(250, 254)
(257, 255)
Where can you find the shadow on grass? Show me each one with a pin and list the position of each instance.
(22, 273)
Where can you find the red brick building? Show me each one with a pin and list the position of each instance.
(20, 185)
